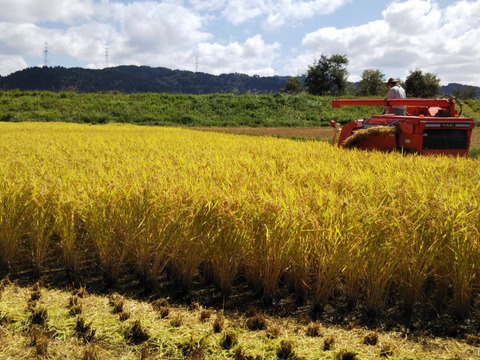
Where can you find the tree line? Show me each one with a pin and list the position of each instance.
(328, 76)
(138, 79)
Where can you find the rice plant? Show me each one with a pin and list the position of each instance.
(375, 228)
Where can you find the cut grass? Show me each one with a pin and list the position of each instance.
(148, 334)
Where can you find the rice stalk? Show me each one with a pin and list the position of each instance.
(14, 211)
(41, 228)
(377, 228)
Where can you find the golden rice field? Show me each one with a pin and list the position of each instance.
(373, 228)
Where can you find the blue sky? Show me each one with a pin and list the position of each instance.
(255, 37)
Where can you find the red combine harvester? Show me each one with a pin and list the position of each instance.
(429, 126)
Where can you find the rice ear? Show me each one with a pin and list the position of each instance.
(361, 134)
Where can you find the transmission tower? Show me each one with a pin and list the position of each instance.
(45, 54)
(106, 56)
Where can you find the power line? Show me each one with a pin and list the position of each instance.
(106, 56)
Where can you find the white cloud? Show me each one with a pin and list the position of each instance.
(462, 17)
(143, 33)
(24, 39)
(9, 64)
(412, 34)
(207, 5)
(158, 27)
(254, 57)
(225, 35)
(350, 40)
(295, 10)
(65, 11)
(240, 11)
(138, 33)
(84, 42)
(277, 13)
(412, 17)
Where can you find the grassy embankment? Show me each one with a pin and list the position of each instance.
(176, 109)
(171, 109)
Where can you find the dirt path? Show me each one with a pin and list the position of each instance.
(321, 133)
(317, 133)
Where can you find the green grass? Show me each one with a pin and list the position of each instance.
(473, 153)
(185, 110)
(165, 109)
(471, 108)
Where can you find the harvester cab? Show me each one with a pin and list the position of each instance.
(429, 127)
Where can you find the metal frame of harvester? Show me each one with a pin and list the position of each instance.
(429, 127)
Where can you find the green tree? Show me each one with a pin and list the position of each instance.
(465, 93)
(327, 76)
(293, 86)
(422, 85)
(372, 83)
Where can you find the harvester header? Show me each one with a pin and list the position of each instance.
(429, 126)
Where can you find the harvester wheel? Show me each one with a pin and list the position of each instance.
(361, 134)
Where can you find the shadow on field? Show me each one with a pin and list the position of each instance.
(418, 322)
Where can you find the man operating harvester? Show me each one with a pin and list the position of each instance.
(396, 92)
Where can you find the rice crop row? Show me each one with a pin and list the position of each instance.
(375, 228)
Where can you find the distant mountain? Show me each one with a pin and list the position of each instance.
(450, 88)
(135, 79)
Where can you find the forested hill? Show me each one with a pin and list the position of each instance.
(135, 79)
(140, 79)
